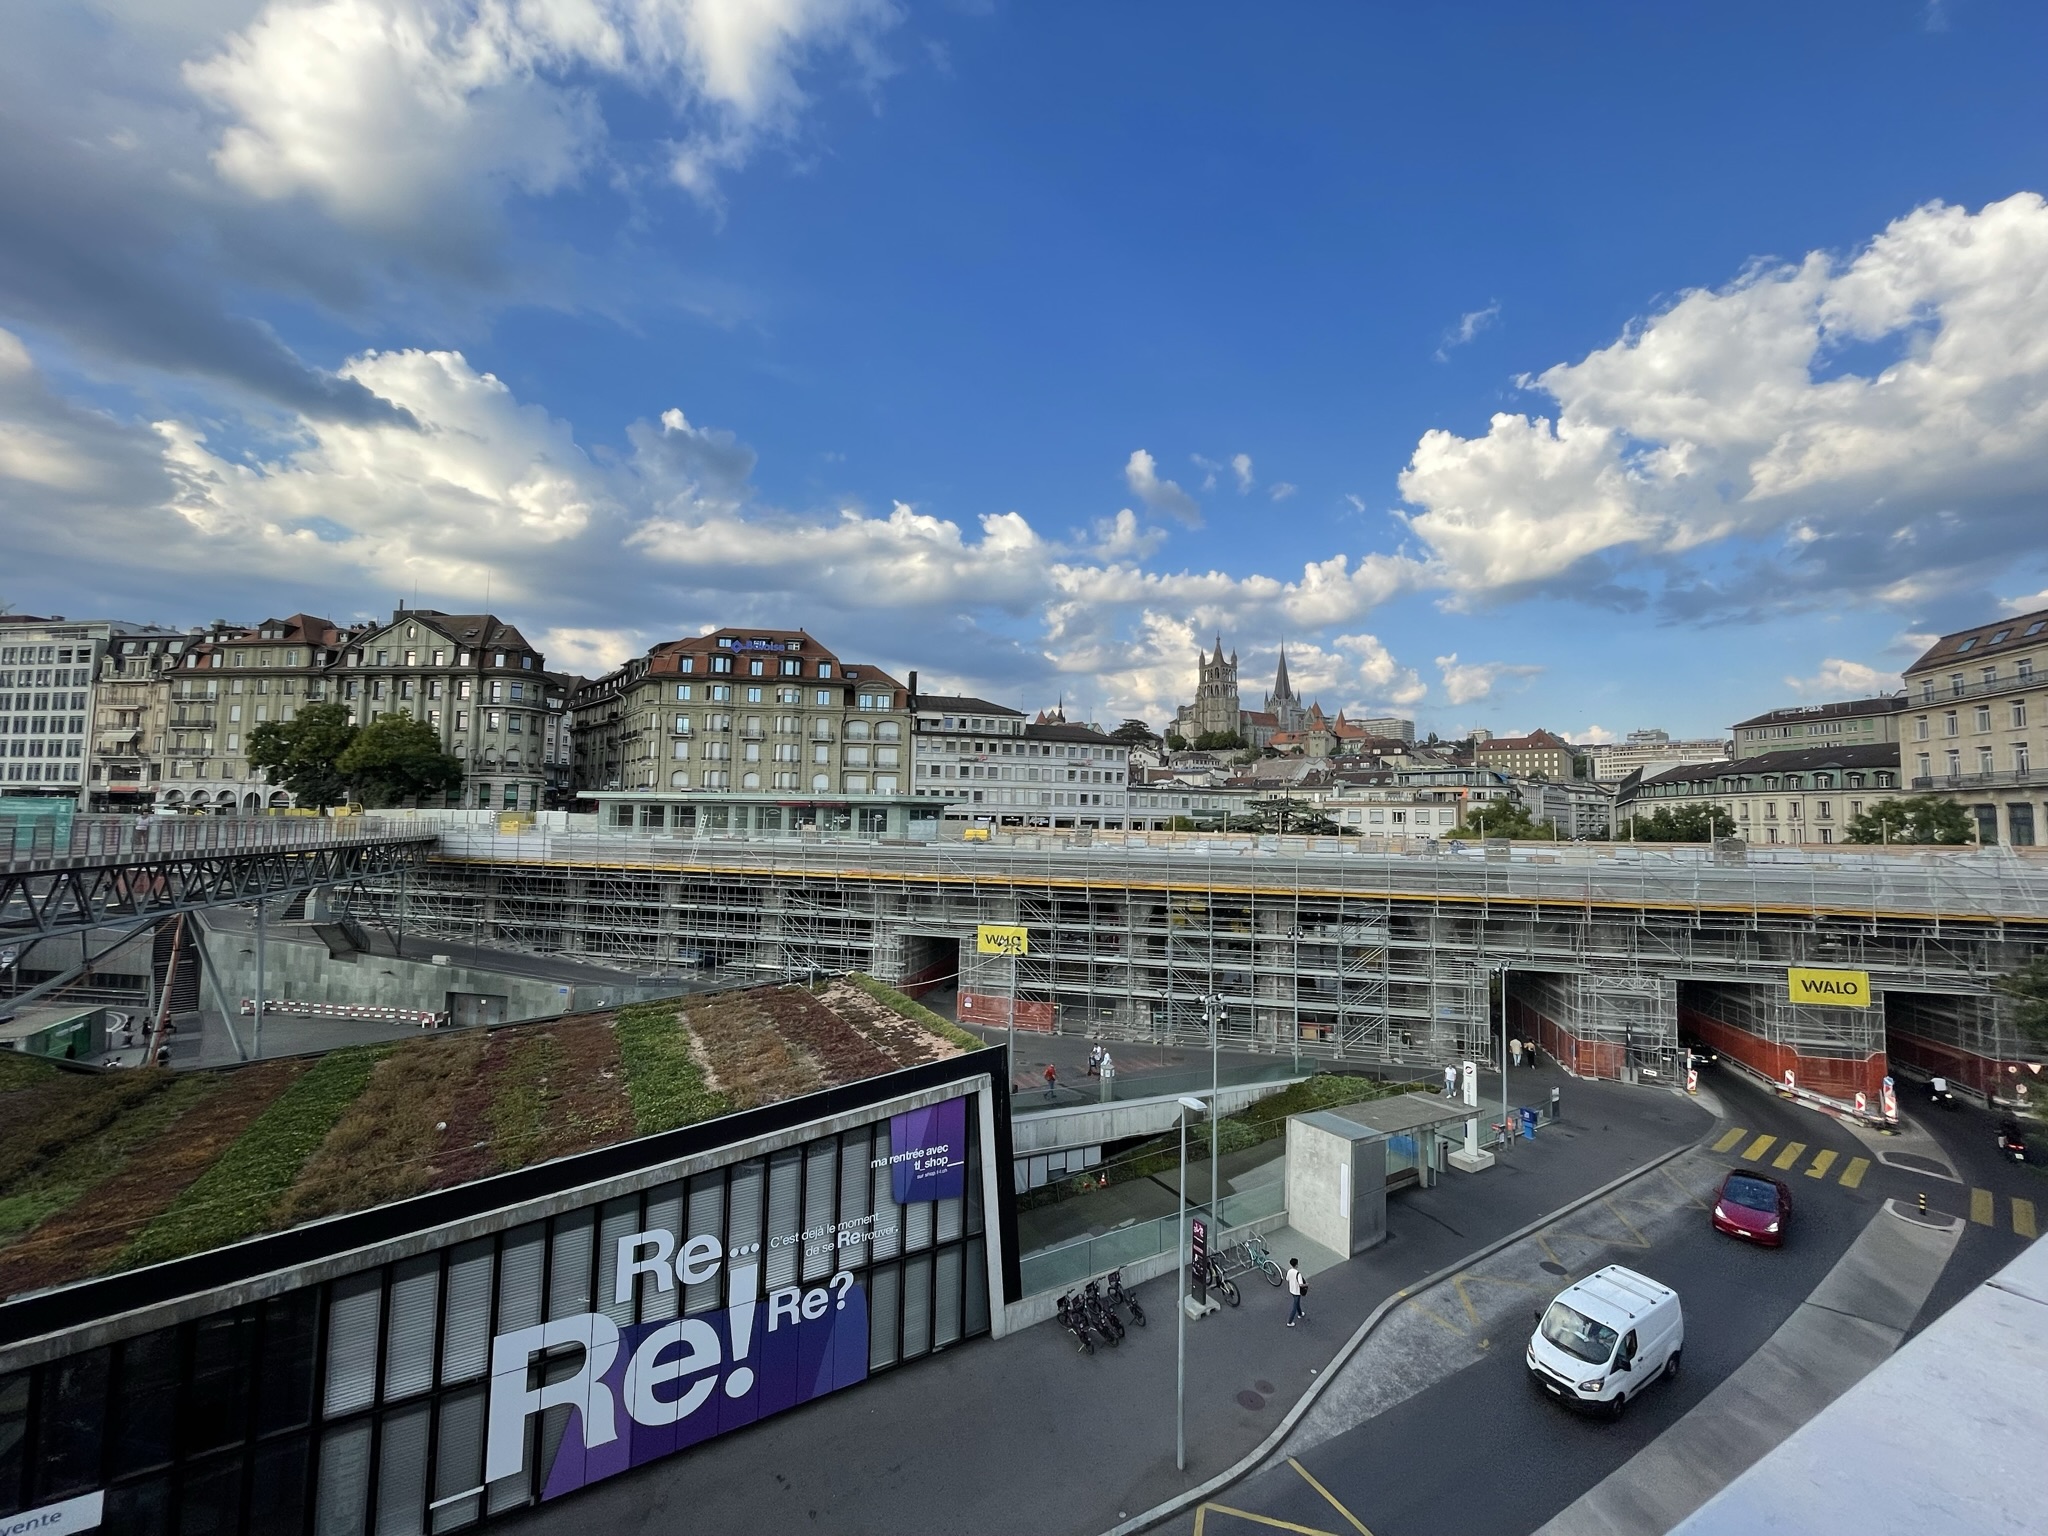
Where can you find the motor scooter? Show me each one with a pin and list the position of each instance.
(2012, 1142)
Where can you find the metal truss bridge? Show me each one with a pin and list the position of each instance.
(112, 872)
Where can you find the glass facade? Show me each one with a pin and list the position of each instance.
(363, 1406)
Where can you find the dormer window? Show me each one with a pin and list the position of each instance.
(1966, 645)
(1999, 638)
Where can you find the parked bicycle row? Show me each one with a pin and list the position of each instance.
(1094, 1312)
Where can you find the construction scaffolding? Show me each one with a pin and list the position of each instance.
(1325, 950)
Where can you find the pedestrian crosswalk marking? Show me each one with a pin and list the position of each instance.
(1822, 1162)
(1982, 1211)
(1853, 1174)
(1758, 1148)
(1730, 1138)
(1794, 1150)
(2023, 1217)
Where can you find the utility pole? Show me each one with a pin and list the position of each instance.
(259, 979)
(1180, 1300)
(1213, 1006)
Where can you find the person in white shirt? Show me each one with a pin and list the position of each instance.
(1297, 1287)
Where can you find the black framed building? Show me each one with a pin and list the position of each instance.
(427, 1365)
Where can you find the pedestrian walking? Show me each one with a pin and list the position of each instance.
(1094, 1061)
(1297, 1287)
(1052, 1079)
(1450, 1082)
(1515, 1049)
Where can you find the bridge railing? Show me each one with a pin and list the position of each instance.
(43, 842)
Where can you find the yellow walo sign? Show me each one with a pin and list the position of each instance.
(1829, 989)
(1001, 939)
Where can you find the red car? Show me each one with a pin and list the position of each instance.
(1753, 1206)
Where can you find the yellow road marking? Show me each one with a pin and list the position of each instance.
(1794, 1150)
(1730, 1138)
(1853, 1174)
(1822, 1162)
(2023, 1217)
(1981, 1210)
(1357, 1524)
(1757, 1148)
(1245, 1514)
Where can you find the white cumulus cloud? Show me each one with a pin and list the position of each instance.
(1241, 466)
(1471, 681)
(1839, 679)
(384, 111)
(1885, 416)
(1141, 473)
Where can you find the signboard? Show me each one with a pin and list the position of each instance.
(1198, 1276)
(1888, 1096)
(83, 1513)
(928, 1152)
(642, 1391)
(1001, 939)
(1828, 989)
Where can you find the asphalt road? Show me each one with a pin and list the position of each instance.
(1481, 1450)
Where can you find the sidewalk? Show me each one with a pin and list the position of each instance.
(1025, 1435)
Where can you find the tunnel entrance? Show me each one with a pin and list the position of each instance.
(931, 963)
(1621, 1025)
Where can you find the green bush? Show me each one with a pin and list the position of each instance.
(237, 1196)
(662, 1077)
(915, 1011)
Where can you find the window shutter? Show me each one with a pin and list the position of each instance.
(352, 1314)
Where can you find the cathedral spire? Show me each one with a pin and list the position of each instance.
(1281, 690)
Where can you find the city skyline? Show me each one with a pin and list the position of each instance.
(830, 322)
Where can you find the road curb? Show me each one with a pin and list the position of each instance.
(1180, 1503)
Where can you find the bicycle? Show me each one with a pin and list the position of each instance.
(1118, 1296)
(1259, 1257)
(1211, 1272)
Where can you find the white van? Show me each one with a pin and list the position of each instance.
(1607, 1338)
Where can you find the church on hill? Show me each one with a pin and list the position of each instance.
(1216, 706)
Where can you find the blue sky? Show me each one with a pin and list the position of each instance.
(1587, 366)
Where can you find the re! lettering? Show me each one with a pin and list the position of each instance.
(686, 1351)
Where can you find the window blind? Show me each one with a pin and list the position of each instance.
(410, 1329)
(707, 1214)
(569, 1264)
(946, 1298)
(466, 1336)
(402, 1472)
(665, 1208)
(344, 1497)
(459, 1459)
(821, 1169)
(621, 1218)
(785, 1182)
(917, 1306)
(352, 1314)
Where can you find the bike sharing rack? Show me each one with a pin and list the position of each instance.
(1341, 1164)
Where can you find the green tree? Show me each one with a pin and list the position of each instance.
(1682, 824)
(1504, 818)
(395, 758)
(1134, 733)
(1175, 742)
(2028, 987)
(1219, 741)
(1915, 819)
(304, 753)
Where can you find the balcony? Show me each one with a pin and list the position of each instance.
(1945, 690)
(2015, 776)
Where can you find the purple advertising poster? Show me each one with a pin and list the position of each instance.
(648, 1390)
(928, 1152)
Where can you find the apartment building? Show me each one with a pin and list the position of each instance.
(1851, 723)
(748, 730)
(48, 671)
(130, 712)
(1803, 797)
(558, 741)
(1649, 751)
(1975, 707)
(472, 677)
(229, 680)
(1390, 727)
(988, 763)
(1540, 754)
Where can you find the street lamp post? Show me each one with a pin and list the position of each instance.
(1503, 973)
(1213, 1006)
(1180, 1301)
